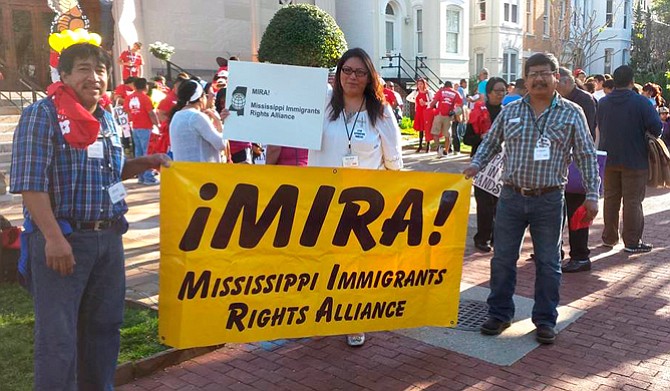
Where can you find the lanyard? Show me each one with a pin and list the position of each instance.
(351, 134)
(546, 118)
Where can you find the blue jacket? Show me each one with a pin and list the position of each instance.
(623, 119)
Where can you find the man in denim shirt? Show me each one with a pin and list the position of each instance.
(67, 163)
(539, 131)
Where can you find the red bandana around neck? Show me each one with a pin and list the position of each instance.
(79, 127)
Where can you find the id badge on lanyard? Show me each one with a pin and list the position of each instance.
(542, 149)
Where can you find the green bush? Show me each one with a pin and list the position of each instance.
(406, 123)
(302, 34)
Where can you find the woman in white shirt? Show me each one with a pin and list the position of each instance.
(195, 131)
(359, 128)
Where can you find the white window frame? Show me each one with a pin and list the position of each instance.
(626, 15)
(445, 32)
(395, 22)
(607, 62)
(546, 18)
(530, 21)
(511, 11)
(478, 10)
(609, 13)
(479, 62)
(418, 30)
(510, 68)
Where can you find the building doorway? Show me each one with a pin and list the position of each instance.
(25, 26)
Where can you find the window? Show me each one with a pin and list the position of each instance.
(545, 18)
(479, 62)
(510, 12)
(390, 28)
(529, 16)
(510, 65)
(453, 30)
(419, 30)
(626, 7)
(482, 9)
(609, 15)
(624, 57)
(561, 16)
(608, 61)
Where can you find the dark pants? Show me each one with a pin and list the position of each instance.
(544, 216)
(629, 185)
(579, 239)
(455, 141)
(77, 317)
(486, 211)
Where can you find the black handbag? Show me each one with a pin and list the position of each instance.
(470, 137)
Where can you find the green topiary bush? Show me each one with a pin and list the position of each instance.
(302, 34)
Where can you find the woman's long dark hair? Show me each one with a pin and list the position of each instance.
(184, 93)
(374, 92)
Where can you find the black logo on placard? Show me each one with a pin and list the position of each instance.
(238, 100)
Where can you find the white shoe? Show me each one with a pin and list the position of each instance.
(356, 340)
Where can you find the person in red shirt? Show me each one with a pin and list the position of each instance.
(421, 103)
(131, 61)
(163, 111)
(143, 118)
(447, 101)
(122, 91)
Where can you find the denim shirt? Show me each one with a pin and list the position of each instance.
(42, 161)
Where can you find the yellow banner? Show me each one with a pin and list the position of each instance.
(253, 253)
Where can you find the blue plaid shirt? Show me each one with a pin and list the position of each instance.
(42, 161)
(564, 124)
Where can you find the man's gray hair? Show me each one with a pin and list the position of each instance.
(565, 75)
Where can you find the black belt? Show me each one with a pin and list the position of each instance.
(97, 225)
(526, 192)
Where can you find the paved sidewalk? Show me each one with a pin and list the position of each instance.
(621, 342)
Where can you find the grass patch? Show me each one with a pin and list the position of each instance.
(139, 337)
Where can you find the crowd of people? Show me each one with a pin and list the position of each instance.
(75, 214)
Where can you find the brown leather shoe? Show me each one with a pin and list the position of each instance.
(493, 326)
(545, 334)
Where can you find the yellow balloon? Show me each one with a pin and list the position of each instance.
(68, 38)
(94, 39)
(56, 42)
(79, 35)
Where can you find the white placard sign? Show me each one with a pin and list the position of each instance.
(275, 104)
(489, 180)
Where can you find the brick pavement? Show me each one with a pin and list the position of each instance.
(621, 343)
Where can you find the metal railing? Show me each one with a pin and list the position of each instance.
(172, 67)
(407, 71)
(29, 92)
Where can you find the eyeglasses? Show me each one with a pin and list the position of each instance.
(543, 74)
(499, 90)
(359, 72)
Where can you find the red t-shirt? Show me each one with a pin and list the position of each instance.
(168, 102)
(136, 62)
(390, 97)
(138, 106)
(447, 99)
(105, 101)
(123, 91)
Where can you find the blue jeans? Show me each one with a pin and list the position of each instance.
(544, 215)
(141, 142)
(78, 317)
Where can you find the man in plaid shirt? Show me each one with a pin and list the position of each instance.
(539, 132)
(68, 164)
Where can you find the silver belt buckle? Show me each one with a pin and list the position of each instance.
(526, 192)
